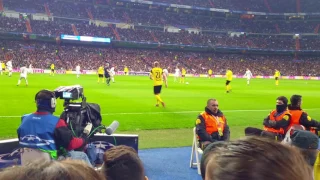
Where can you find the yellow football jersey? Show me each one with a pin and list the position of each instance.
(210, 71)
(100, 70)
(156, 74)
(229, 75)
(183, 71)
(52, 66)
(126, 69)
(277, 74)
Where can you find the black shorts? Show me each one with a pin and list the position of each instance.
(125, 73)
(157, 89)
(183, 76)
(107, 76)
(3, 69)
(209, 75)
(52, 70)
(228, 82)
(100, 75)
(276, 78)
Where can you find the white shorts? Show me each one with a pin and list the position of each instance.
(9, 69)
(23, 77)
(248, 78)
(78, 72)
(176, 75)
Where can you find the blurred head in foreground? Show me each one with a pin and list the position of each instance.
(123, 163)
(52, 170)
(255, 158)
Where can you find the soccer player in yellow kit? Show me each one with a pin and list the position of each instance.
(158, 77)
(209, 73)
(52, 70)
(277, 76)
(126, 70)
(100, 74)
(3, 68)
(229, 79)
(183, 75)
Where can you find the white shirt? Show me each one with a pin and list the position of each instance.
(30, 66)
(23, 72)
(177, 71)
(165, 71)
(248, 74)
(78, 68)
(9, 65)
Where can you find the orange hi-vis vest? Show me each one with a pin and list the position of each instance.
(273, 117)
(214, 123)
(295, 117)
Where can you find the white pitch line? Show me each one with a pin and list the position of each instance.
(180, 112)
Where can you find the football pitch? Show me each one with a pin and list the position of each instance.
(131, 101)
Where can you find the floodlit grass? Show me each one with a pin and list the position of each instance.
(130, 101)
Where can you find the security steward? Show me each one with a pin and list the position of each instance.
(276, 123)
(300, 117)
(211, 125)
(43, 131)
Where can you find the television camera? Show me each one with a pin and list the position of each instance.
(78, 114)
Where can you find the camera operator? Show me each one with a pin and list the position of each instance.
(43, 131)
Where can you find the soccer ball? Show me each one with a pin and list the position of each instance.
(187, 82)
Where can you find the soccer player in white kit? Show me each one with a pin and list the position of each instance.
(176, 74)
(248, 75)
(78, 71)
(112, 73)
(23, 75)
(9, 67)
(30, 69)
(0, 68)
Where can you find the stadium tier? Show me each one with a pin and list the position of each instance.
(41, 55)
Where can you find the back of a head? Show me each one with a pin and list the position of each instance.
(45, 100)
(52, 170)
(123, 163)
(255, 158)
(295, 100)
(283, 99)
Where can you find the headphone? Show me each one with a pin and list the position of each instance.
(44, 102)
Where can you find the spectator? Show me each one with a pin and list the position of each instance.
(123, 163)
(51, 170)
(254, 158)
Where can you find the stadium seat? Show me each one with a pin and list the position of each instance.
(28, 155)
(196, 151)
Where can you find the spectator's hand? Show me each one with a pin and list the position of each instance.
(87, 129)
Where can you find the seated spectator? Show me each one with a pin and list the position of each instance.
(254, 158)
(208, 151)
(123, 163)
(211, 125)
(52, 170)
(308, 143)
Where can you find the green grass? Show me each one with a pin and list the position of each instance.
(130, 101)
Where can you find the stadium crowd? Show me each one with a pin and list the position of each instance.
(41, 55)
(160, 18)
(59, 26)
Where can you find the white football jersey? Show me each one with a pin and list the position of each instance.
(177, 71)
(78, 68)
(30, 66)
(9, 64)
(23, 71)
(248, 74)
(165, 71)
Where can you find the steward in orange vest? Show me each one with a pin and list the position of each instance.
(211, 125)
(276, 124)
(300, 117)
